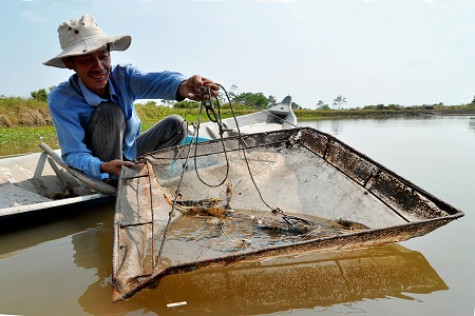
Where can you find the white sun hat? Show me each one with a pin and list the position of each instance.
(83, 36)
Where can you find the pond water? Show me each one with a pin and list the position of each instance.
(64, 266)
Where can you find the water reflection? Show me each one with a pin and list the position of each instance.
(276, 285)
(471, 124)
(93, 249)
(335, 127)
(25, 234)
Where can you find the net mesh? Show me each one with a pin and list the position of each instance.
(251, 197)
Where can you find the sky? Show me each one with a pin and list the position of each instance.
(406, 52)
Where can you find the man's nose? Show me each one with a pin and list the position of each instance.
(97, 63)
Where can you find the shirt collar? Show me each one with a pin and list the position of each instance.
(92, 98)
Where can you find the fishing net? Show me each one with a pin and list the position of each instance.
(258, 196)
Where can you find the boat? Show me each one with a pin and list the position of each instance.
(28, 184)
(33, 185)
(277, 117)
(249, 198)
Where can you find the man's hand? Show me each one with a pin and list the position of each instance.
(196, 88)
(114, 166)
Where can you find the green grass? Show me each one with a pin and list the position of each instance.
(26, 139)
(25, 123)
(150, 114)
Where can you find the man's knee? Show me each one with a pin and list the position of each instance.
(179, 123)
(105, 130)
(108, 110)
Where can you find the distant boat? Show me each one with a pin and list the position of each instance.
(282, 193)
(277, 117)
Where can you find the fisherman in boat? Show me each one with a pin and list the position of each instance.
(93, 112)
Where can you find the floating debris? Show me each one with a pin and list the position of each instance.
(177, 304)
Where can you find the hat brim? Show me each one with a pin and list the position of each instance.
(90, 45)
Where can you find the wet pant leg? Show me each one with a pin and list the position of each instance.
(168, 132)
(105, 131)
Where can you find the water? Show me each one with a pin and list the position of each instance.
(64, 266)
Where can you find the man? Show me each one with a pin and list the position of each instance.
(93, 112)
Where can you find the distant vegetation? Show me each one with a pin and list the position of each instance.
(29, 119)
(21, 112)
(15, 112)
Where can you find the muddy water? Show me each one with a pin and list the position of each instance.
(63, 266)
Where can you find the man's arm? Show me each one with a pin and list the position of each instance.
(166, 85)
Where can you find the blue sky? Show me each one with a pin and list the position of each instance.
(407, 52)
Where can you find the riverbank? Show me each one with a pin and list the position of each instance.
(25, 123)
(315, 115)
(18, 112)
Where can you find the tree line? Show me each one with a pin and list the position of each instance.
(257, 100)
(41, 94)
(250, 99)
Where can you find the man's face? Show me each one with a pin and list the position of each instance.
(93, 69)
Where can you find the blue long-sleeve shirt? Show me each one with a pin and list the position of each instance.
(71, 105)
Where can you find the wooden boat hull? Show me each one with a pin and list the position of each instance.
(35, 184)
(299, 171)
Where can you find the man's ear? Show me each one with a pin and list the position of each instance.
(68, 62)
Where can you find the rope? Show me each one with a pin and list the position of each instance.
(217, 118)
(241, 139)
